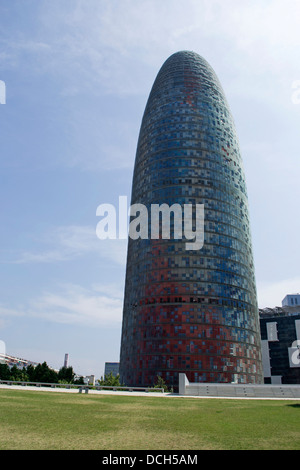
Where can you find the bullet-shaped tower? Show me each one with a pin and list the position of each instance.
(190, 310)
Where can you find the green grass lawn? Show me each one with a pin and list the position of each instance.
(53, 420)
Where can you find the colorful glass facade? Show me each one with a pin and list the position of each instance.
(192, 311)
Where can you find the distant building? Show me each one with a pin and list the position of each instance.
(15, 361)
(111, 367)
(66, 361)
(291, 300)
(280, 339)
(89, 380)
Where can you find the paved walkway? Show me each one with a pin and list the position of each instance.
(75, 390)
(132, 394)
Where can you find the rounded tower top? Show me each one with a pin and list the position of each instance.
(192, 66)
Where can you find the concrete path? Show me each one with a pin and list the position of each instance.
(132, 394)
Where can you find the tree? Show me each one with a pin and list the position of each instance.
(110, 380)
(30, 372)
(160, 383)
(40, 373)
(66, 374)
(43, 373)
(79, 381)
(18, 375)
(4, 372)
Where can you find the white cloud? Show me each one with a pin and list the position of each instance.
(10, 312)
(74, 305)
(69, 242)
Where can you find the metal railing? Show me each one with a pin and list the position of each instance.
(82, 387)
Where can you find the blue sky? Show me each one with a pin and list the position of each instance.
(78, 74)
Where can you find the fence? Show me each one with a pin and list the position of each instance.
(231, 390)
(81, 387)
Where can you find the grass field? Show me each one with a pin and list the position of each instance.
(54, 420)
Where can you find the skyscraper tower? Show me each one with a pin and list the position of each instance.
(191, 310)
(66, 361)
